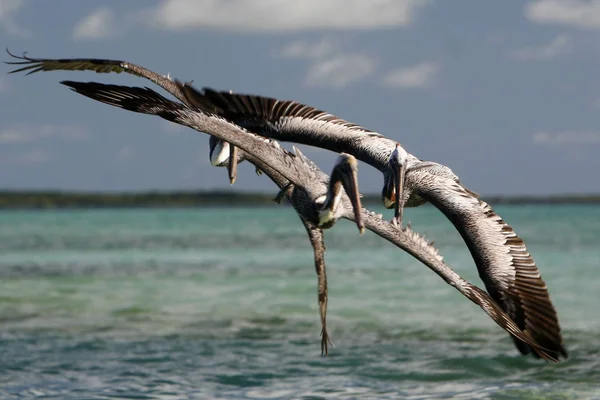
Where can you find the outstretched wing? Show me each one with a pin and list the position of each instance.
(147, 101)
(98, 65)
(33, 65)
(291, 121)
(423, 251)
(503, 262)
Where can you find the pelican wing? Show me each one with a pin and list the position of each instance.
(147, 101)
(98, 65)
(504, 264)
(256, 110)
(424, 251)
(259, 110)
(294, 122)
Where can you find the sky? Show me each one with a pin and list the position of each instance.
(507, 94)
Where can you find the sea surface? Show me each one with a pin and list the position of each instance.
(221, 303)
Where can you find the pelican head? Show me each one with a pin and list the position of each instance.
(344, 174)
(394, 183)
(223, 154)
(218, 151)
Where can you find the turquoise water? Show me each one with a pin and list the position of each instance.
(222, 303)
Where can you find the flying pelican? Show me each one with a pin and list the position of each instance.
(308, 187)
(506, 268)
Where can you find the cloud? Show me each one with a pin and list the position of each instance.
(558, 45)
(307, 50)
(14, 136)
(418, 76)
(31, 157)
(37, 156)
(8, 10)
(574, 13)
(29, 133)
(328, 64)
(98, 25)
(340, 70)
(283, 16)
(566, 137)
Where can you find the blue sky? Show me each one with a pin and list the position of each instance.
(507, 94)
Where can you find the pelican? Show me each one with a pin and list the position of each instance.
(503, 262)
(308, 187)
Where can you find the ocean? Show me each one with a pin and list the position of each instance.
(221, 303)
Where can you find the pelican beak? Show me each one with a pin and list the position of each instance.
(398, 172)
(399, 183)
(351, 189)
(232, 163)
(388, 192)
(349, 178)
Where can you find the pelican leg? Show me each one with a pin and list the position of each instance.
(316, 240)
(282, 192)
(258, 171)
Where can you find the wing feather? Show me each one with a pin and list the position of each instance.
(422, 250)
(508, 271)
(271, 110)
(98, 65)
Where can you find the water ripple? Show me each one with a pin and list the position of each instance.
(152, 304)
